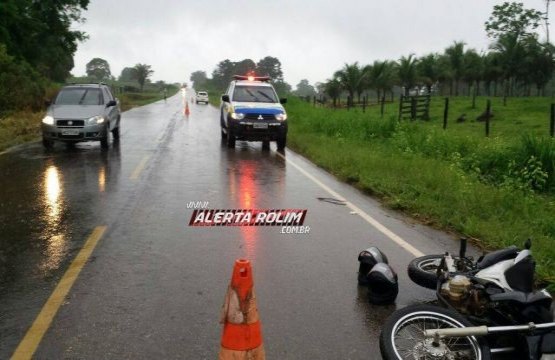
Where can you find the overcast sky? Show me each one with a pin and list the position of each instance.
(311, 38)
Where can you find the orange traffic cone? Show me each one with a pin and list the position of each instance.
(242, 337)
(187, 111)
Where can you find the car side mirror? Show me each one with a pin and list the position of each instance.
(225, 98)
(111, 103)
(283, 100)
(47, 102)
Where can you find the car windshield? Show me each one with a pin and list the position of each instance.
(79, 96)
(202, 93)
(254, 94)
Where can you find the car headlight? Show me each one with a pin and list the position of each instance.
(281, 117)
(237, 116)
(95, 120)
(48, 120)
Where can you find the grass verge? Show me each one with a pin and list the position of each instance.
(423, 172)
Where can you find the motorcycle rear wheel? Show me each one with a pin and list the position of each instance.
(402, 336)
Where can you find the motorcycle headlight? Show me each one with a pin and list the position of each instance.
(48, 120)
(95, 120)
(237, 116)
(281, 117)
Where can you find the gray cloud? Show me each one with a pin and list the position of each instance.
(311, 38)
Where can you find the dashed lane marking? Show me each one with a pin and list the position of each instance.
(139, 168)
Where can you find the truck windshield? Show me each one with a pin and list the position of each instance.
(254, 94)
(79, 96)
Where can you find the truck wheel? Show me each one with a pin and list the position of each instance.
(281, 142)
(230, 139)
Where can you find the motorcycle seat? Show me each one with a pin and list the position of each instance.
(496, 256)
(539, 297)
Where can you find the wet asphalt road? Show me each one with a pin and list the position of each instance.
(154, 286)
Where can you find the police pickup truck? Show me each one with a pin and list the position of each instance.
(251, 111)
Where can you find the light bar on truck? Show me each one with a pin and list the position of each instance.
(251, 78)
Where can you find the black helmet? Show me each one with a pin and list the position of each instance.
(382, 283)
(368, 259)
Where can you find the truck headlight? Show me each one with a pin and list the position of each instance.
(237, 116)
(48, 120)
(281, 117)
(95, 120)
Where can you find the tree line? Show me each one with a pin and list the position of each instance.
(225, 69)
(517, 64)
(99, 69)
(37, 45)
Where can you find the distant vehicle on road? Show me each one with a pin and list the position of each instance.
(82, 112)
(251, 111)
(202, 97)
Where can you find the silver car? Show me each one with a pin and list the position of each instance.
(83, 112)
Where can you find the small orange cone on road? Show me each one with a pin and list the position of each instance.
(242, 336)
(187, 111)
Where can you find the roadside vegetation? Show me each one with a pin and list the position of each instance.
(37, 45)
(497, 191)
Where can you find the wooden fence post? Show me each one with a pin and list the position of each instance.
(382, 105)
(445, 113)
(364, 104)
(474, 99)
(552, 123)
(488, 115)
(400, 106)
(413, 108)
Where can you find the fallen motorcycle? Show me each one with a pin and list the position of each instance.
(486, 307)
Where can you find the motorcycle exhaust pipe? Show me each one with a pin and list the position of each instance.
(484, 330)
(457, 332)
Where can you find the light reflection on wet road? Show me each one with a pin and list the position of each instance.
(154, 287)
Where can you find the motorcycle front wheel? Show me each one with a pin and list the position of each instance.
(402, 336)
(423, 270)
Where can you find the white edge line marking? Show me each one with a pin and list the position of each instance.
(369, 219)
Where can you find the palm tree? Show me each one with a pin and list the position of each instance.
(406, 69)
(445, 74)
(539, 63)
(492, 72)
(382, 76)
(332, 88)
(455, 54)
(473, 70)
(351, 78)
(511, 55)
(142, 72)
(429, 70)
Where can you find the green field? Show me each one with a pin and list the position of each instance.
(496, 191)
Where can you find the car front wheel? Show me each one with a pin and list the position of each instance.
(48, 144)
(281, 142)
(104, 140)
(115, 133)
